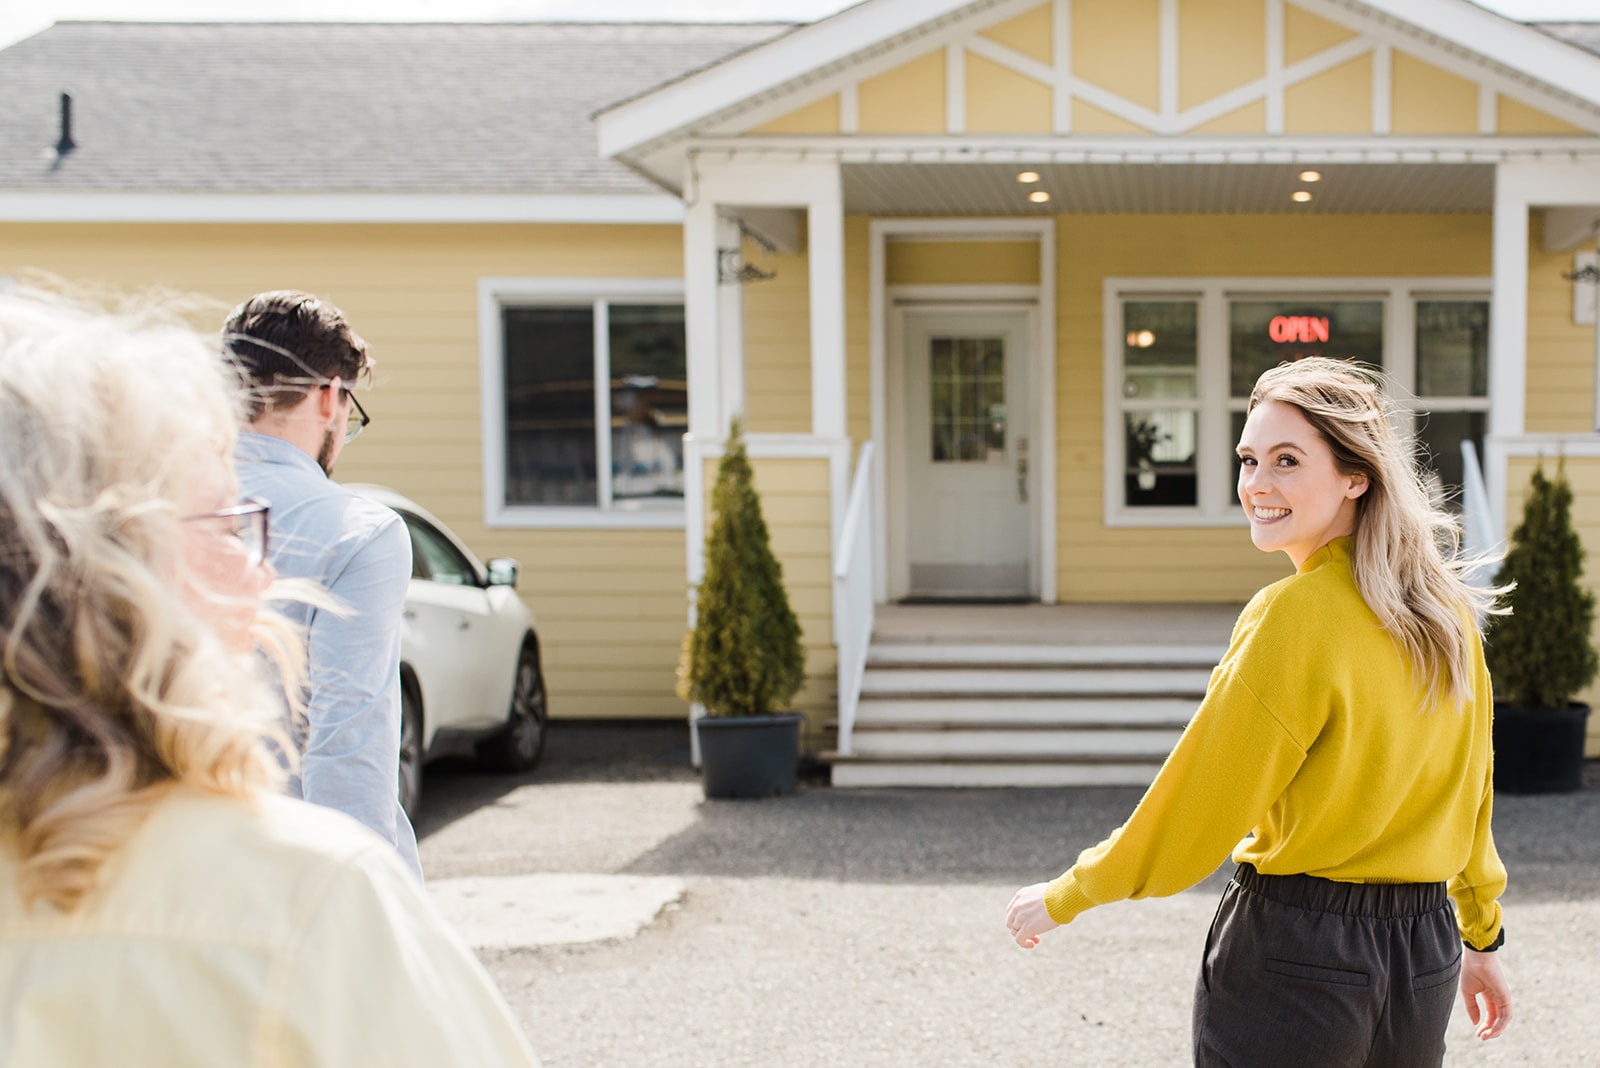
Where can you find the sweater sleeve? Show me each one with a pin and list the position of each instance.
(1234, 760)
(1476, 890)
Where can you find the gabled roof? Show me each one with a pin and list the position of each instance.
(712, 99)
(1585, 35)
(303, 107)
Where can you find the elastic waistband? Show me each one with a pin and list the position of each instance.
(1379, 900)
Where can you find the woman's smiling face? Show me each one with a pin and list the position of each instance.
(1295, 496)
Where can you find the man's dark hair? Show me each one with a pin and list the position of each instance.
(287, 343)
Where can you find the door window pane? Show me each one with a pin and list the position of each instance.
(1159, 349)
(1452, 348)
(550, 442)
(1161, 458)
(967, 399)
(435, 558)
(649, 401)
(1264, 333)
(1439, 438)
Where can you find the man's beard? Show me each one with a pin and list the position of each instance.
(325, 454)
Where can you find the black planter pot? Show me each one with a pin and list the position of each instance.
(1539, 751)
(749, 756)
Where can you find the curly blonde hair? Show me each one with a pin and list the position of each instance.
(1405, 551)
(112, 689)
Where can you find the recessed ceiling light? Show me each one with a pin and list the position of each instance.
(1038, 196)
(1311, 176)
(1300, 196)
(1028, 177)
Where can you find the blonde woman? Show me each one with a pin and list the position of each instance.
(1347, 732)
(160, 904)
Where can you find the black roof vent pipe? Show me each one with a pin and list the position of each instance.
(66, 144)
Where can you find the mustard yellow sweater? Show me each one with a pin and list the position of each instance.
(1312, 736)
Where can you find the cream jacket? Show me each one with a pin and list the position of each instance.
(266, 933)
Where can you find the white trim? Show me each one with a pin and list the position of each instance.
(1382, 87)
(628, 208)
(1013, 60)
(1061, 67)
(964, 295)
(885, 340)
(1167, 60)
(849, 109)
(495, 293)
(1213, 402)
(1274, 31)
(955, 89)
(1488, 111)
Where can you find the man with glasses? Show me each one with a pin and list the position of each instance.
(302, 361)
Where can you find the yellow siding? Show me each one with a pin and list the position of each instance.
(1336, 101)
(795, 503)
(1097, 563)
(612, 596)
(777, 345)
(1427, 100)
(821, 117)
(1584, 474)
(1221, 46)
(858, 328)
(1560, 375)
(958, 262)
(1517, 118)
(1305, 34)
(1250, 119)
(908, 99)
(1002, 101)
(1116, 44)
(1088, 119)
(1029, 33)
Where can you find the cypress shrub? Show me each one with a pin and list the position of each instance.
(743, 657)
(1539, 656)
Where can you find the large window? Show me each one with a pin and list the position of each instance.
(1182, 356)
(586, 397)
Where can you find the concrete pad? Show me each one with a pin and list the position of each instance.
(520, 911)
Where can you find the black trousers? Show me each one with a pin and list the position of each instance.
(1310, 973)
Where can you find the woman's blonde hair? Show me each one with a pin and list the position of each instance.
(112, 688)
(1405, 550)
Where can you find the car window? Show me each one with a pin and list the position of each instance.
(434, 558)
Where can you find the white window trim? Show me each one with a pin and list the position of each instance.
(1399, 295)
(494, 294)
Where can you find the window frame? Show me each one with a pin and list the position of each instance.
(1214, 451)
(496, 294)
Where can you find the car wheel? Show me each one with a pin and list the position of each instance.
(520, 743)
(410, 751)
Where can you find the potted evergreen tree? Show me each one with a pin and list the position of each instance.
(743, 659)
(1540, 654)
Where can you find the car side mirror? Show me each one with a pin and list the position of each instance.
(503, 571)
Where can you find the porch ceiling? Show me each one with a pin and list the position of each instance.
(1165, 188)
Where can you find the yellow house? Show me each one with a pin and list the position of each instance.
(987, 281)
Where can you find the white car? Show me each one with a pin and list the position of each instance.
(470, 680)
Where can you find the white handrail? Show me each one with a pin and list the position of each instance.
(853, 606)
(1478, 540)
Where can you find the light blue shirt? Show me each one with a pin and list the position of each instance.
(360, 552)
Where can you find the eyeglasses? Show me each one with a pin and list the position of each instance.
(249, 526)
(358, 415)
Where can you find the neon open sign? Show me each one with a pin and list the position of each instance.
(1286, 328)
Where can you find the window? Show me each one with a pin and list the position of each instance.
(434, 558)
(585, 388)
(1182, 356)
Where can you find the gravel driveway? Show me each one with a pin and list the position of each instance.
(864, 927)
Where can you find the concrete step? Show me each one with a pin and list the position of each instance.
(1031, 681)
(984, 654)
(1031, 711)
(1015, 743)
(849, 772)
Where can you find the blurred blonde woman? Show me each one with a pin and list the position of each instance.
(160, 904)
(1347, 733)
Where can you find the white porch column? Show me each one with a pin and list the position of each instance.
(701, 318)
(825, 246)
(730, 329)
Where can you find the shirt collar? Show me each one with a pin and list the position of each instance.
(266, 449)
(1336, 551)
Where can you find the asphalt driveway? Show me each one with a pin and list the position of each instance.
(864, 927)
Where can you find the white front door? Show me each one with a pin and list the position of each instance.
(966, 450)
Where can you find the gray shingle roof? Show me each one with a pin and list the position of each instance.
(317, 107)
(1585, 35)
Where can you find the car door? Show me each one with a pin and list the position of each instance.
(451, 614)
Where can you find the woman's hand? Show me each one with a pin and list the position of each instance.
(1482, 976)
(1027, 918)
